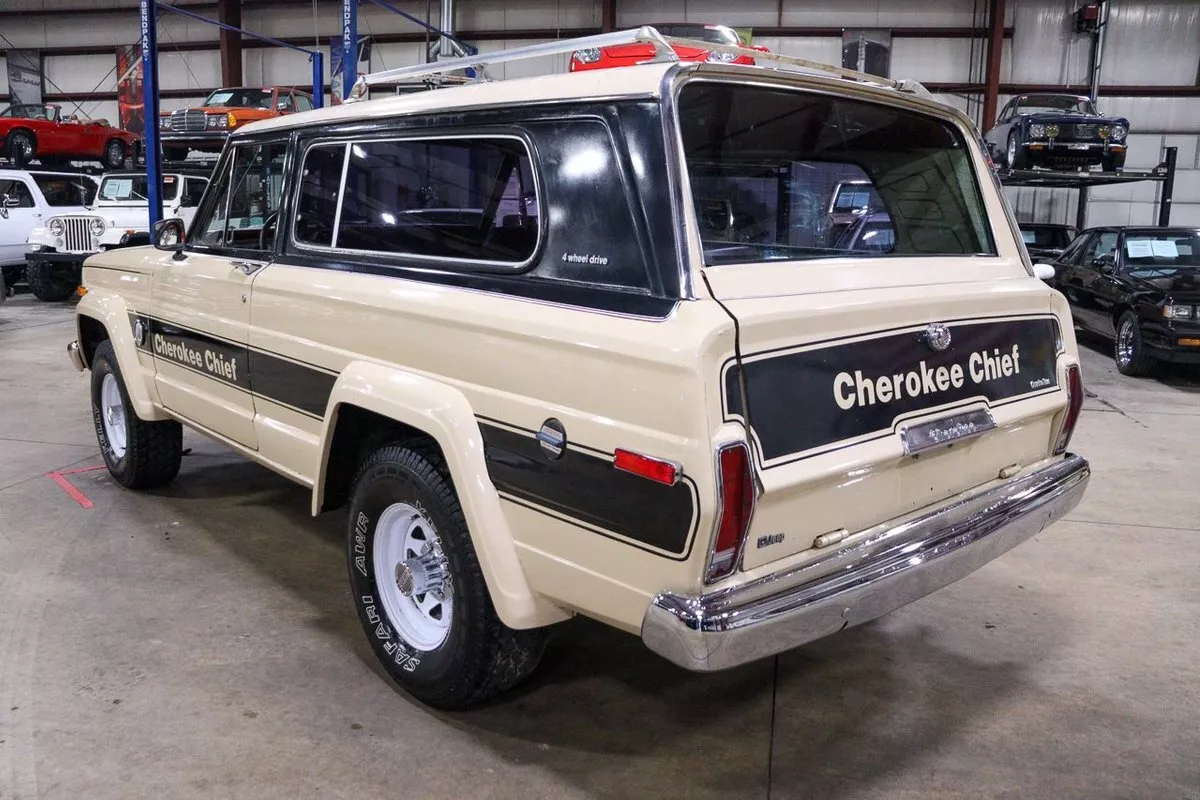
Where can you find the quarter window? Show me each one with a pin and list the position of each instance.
(461, 199)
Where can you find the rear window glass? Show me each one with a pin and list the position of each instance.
(461, 199)
(768, 168)
(1046, 237)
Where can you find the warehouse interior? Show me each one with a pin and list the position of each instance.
(199, 639)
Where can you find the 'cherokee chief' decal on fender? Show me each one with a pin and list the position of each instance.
(819, 397)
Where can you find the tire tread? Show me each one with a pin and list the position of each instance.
(500, 657)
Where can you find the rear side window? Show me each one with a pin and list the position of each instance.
(459, 199)
(317, 205)
(781, 175)
(63, 190)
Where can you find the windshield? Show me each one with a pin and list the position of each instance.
(134, 188)
(240, 98)
(764, 165)
(1055, 103)
(66, 190)
(717, 34)
(1047, 236)
(26, 112)
(1162, 253)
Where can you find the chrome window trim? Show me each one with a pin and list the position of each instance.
(684, 75)
(337, 214)
(689, 252)
(468, 264)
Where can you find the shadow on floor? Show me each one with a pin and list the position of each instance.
(847, 710)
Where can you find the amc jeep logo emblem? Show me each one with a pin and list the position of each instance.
(770, 539)
(937, 336)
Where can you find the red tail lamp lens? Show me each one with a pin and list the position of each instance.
(1074, 404)
(737, 506)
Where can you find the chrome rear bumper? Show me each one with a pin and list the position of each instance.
(895, 564)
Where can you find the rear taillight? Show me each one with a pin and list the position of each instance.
(1074, 404)
(737, 493)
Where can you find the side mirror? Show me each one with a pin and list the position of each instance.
(1043, 272)
(1104, 263)
(169, 234)
(11, 202)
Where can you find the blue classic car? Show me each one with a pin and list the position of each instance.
(1060, 131)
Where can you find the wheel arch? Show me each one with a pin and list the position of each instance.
(373, 404)
(100, 319)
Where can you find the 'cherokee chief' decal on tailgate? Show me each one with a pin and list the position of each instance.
(819, 397)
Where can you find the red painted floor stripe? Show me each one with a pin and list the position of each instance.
(72, 492)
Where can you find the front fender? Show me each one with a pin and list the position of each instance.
(442, 412)
(110, 311)
(40, 235)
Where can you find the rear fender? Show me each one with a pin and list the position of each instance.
(443, 413)
(110, 311)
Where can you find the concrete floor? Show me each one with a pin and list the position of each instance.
(199, 642)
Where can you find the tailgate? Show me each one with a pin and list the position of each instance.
(855, 424)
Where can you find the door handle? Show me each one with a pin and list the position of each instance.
(248, 267)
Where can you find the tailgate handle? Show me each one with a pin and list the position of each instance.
(945, 430)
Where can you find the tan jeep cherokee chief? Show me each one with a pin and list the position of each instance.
(575, 344)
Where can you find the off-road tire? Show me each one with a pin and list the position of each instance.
(114, 154)
(153, 450)
(13, 274)
(1140, 363)
(481, 656)
(46, 284)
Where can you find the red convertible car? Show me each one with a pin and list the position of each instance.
(29, 132)
(624, 55)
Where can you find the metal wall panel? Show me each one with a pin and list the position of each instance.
(1151, 42)
(1045, 50)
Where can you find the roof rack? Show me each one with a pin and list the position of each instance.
(663, 52)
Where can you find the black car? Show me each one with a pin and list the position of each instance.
(1139, 287)
(1060, 131)
(1045, 241)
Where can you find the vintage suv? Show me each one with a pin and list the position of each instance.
(490, 321)
(56, 250)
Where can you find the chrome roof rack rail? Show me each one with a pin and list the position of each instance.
(436, 72)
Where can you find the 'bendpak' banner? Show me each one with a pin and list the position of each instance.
(25, 77)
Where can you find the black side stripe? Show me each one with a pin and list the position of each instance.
(583, 487)
(305, 388)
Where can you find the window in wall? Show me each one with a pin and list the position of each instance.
(462, 199)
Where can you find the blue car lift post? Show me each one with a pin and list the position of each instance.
(148, 17)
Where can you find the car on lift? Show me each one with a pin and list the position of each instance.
(1057, 131)
(27, 199)
(55, 251)
(1045, 241)
(505, 327)
(39, 132)
(207, 126)
(1138, 286)
(625, 55)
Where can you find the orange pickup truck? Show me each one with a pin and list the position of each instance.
(207, 127)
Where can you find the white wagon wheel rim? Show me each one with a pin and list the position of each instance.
(412, 576)
(112, 413)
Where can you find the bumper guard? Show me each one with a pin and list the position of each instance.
(895, 564)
